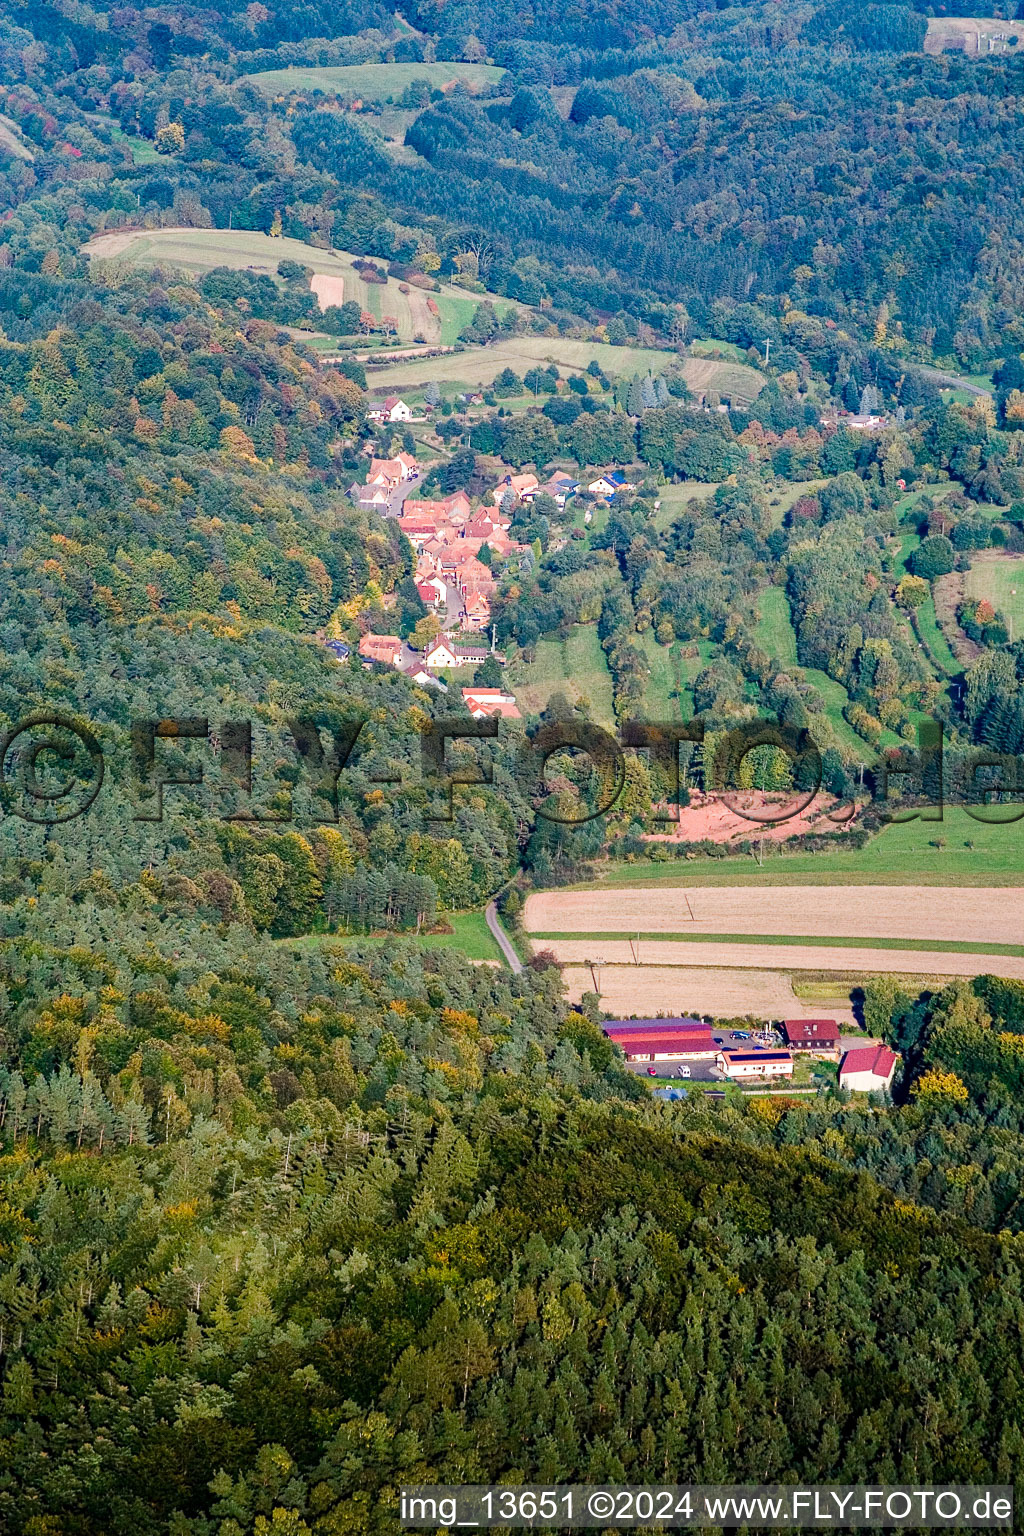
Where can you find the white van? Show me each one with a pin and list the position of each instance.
(683, 1072)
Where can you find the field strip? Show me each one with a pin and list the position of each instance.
(808, 957)
(939, 946)
(978, 915)
(723, 994)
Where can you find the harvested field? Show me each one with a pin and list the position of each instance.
(976, 915)
(329, 290)
(658, 956)
(722, 993)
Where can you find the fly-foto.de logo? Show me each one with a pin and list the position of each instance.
(54, 765)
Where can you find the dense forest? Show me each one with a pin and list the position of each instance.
(296, 1209)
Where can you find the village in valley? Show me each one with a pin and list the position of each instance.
(459, 549)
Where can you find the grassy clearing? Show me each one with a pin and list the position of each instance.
(576, 667)
(786, 492)
(774, 630)
(710, 346)
(143, 151)
(661, 698)
(373, 82)
(832, 941)
(999, 579)
(674, 498)
(934, 639)
(902, 853)
(470, 936)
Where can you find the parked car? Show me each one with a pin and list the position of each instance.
(719, 1039)
(684, 1072)
(652, 1071)
(741, 1034)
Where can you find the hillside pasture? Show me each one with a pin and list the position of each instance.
(576, 666)
(195, 251)
(478, 367)
(960, 850)
(371, 82)
(998, 578)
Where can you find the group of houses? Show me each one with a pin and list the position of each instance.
(675, 1041)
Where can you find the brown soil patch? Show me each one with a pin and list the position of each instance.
(716, 819)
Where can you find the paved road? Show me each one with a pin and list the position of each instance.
(503, 940)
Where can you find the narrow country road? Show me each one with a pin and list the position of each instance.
(953, 381)
(504, 942)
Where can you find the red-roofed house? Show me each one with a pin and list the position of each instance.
(819, 1037)
(522, 487)
(482, 703)
(383, 648)
(476, 613)
(391, 472)
(868, 1069)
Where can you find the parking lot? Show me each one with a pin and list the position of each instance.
(705, 1071)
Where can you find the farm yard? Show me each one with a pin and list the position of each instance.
(973, 34)
(335, 277)
(372, 82)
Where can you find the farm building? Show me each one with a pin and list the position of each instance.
(819, 1037)
(662, 1039)
(739, 1064)
(868, 1069)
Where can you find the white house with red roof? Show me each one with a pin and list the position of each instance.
(868, 1069)
(483, 703)
(392, 409)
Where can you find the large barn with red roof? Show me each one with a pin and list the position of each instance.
(680, 1039)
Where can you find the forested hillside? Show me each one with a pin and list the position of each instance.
(296, 1205)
